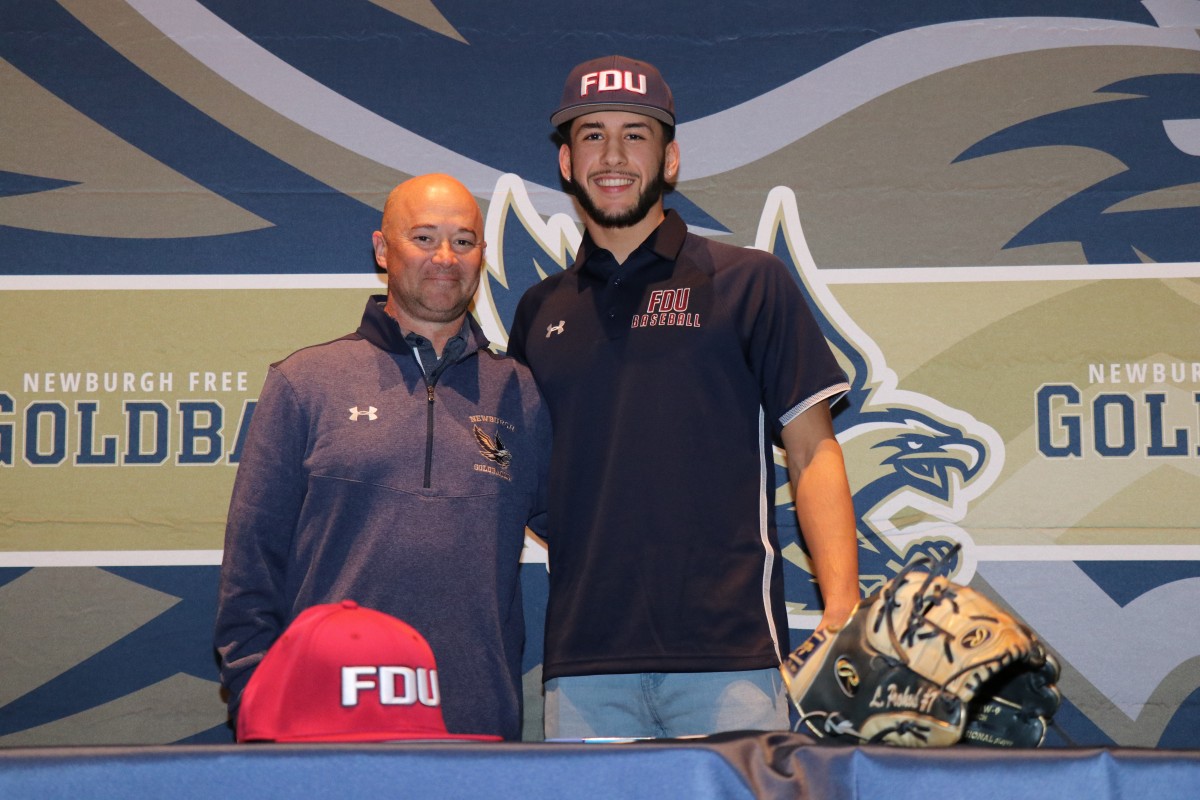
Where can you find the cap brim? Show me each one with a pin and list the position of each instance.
(571, 112)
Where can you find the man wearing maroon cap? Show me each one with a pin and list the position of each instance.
(670, 364)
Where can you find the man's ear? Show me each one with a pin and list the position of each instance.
(564, 162)
(380, 246)
(671, 161)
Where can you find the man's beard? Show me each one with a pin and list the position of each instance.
(631, 216)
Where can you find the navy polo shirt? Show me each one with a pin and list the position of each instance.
(667, 379)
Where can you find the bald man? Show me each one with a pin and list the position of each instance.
(398, 467)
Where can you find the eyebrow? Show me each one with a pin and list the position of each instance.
(596, 125)
(422, 226)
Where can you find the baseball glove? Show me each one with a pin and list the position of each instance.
(919, 664)
(1014, 708)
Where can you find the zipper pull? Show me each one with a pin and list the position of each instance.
(429, 392)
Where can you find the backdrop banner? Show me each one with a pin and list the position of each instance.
(993, 209)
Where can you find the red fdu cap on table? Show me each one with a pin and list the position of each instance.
(344, 673)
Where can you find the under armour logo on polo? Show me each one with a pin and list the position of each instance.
(562, 323)
(370, 414)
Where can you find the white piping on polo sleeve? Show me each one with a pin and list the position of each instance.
(832, 394)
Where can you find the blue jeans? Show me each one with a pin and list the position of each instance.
(665, 704)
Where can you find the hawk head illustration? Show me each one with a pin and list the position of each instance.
(916, 463)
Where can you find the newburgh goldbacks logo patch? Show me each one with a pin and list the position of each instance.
(492, 447)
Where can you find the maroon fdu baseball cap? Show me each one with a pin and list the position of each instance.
(344, 673)
(615, 83)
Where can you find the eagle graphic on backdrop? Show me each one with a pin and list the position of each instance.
(917, 463)
(1134, 214)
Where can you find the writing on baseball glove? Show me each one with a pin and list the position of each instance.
(919, 663)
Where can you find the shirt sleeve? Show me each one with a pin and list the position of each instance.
(264, 508)
(787, 350)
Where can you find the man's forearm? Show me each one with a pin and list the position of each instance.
(824, 509)
(825, 512)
